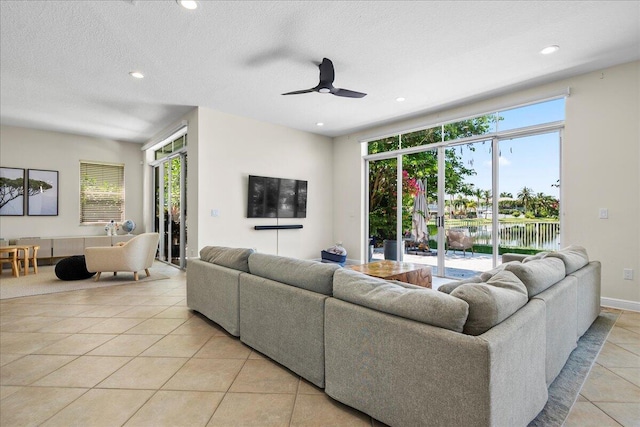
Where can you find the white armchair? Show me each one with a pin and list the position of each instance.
(135, 255)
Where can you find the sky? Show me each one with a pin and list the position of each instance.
(533, 161)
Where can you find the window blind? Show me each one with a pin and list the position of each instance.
(101, 192)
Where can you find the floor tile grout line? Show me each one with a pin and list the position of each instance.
(228, 388)
(66, 406)
(623, 379)
(295, 401)
(607, 414)
(298, 386)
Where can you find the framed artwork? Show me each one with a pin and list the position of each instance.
(11, 191)
(42, 190)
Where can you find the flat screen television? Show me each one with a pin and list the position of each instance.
(276, 198)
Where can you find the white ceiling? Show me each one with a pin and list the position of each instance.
(65, 64)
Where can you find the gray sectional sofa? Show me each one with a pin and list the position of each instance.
(479, 352)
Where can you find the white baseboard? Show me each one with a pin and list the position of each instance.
(620, 304)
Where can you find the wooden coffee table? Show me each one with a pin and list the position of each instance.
(416, 274)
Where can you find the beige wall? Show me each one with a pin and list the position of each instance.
(223, 151)
(230, 149)
(600, 169)
(35, 149)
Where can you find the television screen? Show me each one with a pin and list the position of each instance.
(276, 198)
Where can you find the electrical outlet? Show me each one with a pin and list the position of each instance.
(627, 273)
(604, 213)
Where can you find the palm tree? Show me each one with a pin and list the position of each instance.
(478, 194)
(487, 195)
(524, 196)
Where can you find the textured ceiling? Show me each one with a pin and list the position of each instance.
(65, 64)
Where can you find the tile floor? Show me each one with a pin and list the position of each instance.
(134, 355)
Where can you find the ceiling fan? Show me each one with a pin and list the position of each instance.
(326, 83)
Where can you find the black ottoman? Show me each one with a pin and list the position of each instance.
(72, 268)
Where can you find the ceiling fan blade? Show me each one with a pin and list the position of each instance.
(327, 73)
(296, 92)
(349, 93)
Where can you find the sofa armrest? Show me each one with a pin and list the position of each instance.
(213, 290)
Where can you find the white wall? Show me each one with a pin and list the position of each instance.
(223, 150)
(600, 169)
(230, 148)
(35, 149)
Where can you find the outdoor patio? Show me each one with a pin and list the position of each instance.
(457, 264)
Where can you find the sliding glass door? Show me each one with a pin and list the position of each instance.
(458, 195)
(170, 208)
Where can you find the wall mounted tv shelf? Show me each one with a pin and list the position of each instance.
(277, 227)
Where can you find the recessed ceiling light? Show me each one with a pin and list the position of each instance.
(400, 99)
(319, 124)
(550, 49)
(188, 4)
(136, 74)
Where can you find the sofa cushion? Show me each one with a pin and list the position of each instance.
(423, 305)
(448, 287)
(539, 255)
(507, 280)
(539, 274)
(235, 258)
(491, 303)
(486, 275)
(574, 257)
(310, 275)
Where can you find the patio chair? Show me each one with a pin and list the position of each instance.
(457, 239)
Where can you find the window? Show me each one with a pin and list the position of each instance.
(171, 147)
(101, 192)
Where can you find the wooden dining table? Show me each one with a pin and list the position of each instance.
(24, 249)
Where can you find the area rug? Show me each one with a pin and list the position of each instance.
(564, 390)
(46, 282)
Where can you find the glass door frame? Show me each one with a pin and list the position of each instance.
(495, 138)
(165, 238)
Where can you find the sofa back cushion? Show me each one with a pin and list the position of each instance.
(310, 275)
(423, 305)
(539, 255)
(486, 275)
(492, 302)
(574, 257)
(447, 288)
(538, 275)
(235, 258)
